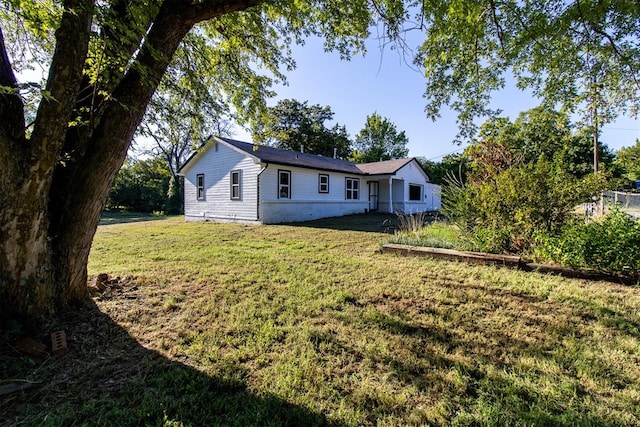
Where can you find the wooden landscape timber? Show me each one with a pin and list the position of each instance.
(512, 261)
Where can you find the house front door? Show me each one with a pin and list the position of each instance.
(373, 195)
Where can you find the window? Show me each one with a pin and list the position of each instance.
(352, 186)
(415, 192)
(284, 184)
(323, 183)
(200, 186)
(236, 185)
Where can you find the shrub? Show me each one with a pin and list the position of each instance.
(505, 211)
(609, 245)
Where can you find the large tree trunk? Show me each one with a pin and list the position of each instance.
(54, 184)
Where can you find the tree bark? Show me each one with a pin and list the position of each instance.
(55, 183)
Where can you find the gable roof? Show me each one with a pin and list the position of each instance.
(385, 167)
(293, 158)
(279, 156)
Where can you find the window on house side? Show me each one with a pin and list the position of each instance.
(415, 192)
(236, 185)
(323, 183)
(284, 184)
(352, 186)
(200, 186)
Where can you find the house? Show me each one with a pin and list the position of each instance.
(230, 180)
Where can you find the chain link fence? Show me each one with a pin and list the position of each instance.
(628, 202)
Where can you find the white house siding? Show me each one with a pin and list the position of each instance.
(216, 164)
(433, 197)
(306, 201)
(411, 173)
(383, 187)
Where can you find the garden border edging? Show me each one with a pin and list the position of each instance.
(512, 261)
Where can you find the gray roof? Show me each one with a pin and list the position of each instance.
(386, 167)
(294, 158)
(283, 157)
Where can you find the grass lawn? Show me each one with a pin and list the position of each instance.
(226, 324)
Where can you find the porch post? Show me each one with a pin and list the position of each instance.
(390, 195)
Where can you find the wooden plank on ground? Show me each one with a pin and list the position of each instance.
(450, 254)
(506, 260)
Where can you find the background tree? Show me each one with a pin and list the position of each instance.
(180, 118)
(291, 124)
(628, 159)
(536, 134)
(379, 140)
(451, 165)
(141, 186)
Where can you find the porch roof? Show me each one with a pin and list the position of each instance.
(386, 167)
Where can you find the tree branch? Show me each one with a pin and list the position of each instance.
(11, 107)
(63, 83)
(209, 9)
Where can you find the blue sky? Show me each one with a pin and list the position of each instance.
(383, 82)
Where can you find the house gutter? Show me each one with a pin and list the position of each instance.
(258, 204)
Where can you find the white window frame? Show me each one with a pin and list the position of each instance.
(323, 187)
(200, 186)
(352, 189)
(237, 186)
(421, 196)
(281, 186)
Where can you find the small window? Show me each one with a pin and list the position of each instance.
(352, 186)
(415, 192)
(284, 184)
(323, 183)
(200, 186)
(236, 185)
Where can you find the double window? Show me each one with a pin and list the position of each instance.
(236, 185)
(323, 183)
(200, 186)
(284, 184)
(415, 192)
(352, 186)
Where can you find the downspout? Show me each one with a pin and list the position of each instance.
(258, 204)
(390, 194)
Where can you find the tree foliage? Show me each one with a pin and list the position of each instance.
(141, 186)
(379, 140)
(524, 180)
(536, 134)
(295, 125)
(451, 165)
(628, 159)
(578, 54)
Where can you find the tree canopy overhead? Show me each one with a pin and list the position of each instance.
(576, 54)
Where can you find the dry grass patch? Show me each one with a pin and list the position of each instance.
(310, 325)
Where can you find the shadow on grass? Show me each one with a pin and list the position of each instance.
(372, 222)
(108, 378)
(117, 217)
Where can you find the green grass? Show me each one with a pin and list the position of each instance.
(436, 234)
(225, 324)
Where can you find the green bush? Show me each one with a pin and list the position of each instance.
(609, 245)
(504, 212)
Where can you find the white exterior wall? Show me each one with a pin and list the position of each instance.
(216, 164)
(306, 201)
(412, 173)
(433, 197)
